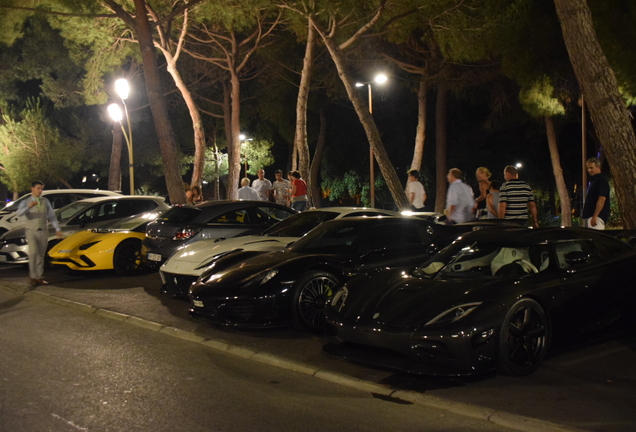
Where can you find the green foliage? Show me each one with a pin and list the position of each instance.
(33, 148)
(538, 99)
(258, 154)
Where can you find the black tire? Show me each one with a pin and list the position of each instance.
(524, 338)
(312, 291)
(127, 258)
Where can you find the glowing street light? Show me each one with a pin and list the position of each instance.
(379, 79)
(243, 138)
(123, 89)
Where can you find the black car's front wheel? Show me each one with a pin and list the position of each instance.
(127, 258)
(524, 338)
(312, 291)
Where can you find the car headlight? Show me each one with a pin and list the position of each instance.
(339, 298)
(454, 314)
(88, 245)
(270, 274)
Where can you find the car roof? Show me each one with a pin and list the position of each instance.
(229, 204)
(101, 191)
(343, 210)
(523, 235)
(124, 197)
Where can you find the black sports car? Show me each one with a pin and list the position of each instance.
(489, 300)
(294, 284)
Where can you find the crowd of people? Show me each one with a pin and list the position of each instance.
(291, 192)
(513, 200)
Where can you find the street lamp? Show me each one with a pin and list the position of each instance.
(243, 138)
(379, 79)
(122, 89)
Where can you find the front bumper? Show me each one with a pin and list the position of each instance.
(14, 254)
(244, 311)
(448, 352)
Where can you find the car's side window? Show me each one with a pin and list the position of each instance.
(231, 217)
(567, 246)
(392, 236)
(56, 200)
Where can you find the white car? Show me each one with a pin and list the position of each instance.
(58, 198)
(81, 215)
(188, 263)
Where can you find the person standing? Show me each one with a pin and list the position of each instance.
(246, 192)
(459, 198)
(38, 211)
(415, 191)
(195, 195)
(492, 200)
(596, 209)
(483, 180)
(516, 198)
(262, 186)
(281, 189)
(298, 192)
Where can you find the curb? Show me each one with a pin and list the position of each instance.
(500, 418)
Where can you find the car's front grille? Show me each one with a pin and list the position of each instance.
(179, 283)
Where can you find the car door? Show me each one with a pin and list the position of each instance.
(589, 286)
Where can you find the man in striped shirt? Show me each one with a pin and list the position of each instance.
(516, 198)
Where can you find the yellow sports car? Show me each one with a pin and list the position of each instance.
(115, 246)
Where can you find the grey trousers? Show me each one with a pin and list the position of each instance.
(38, 242)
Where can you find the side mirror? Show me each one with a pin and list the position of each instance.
(576, 258)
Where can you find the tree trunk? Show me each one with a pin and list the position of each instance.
(606, 106)
(234, 145)
(300, 138)
(114, 172)
(373, 135)
(420, 134)
(158, 107)
(440, 148)
(564, 196)
(197, 122)
(314, 173)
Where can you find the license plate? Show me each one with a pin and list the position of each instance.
(154, 257)
(3, 258)
(197, 303)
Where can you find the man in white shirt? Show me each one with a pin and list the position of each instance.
(262, 186)
(459, 198)
(415, 191)
(246, 192)
(281, 188)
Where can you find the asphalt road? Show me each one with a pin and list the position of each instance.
(65, 370)
(589, 385)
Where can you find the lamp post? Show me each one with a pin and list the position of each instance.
(122, 89)
(379, 79)
(243, 138)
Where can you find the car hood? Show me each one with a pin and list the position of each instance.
(200, 251)
(193, 259)
(395, 298)
(244, 274)
(72, 243)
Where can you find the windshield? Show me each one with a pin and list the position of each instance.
(179, 214)
(132, 223)
(299, 224)
(486, 260)
(67, 211)
(330, 238)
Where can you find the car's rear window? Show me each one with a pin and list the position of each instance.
(179, 215)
